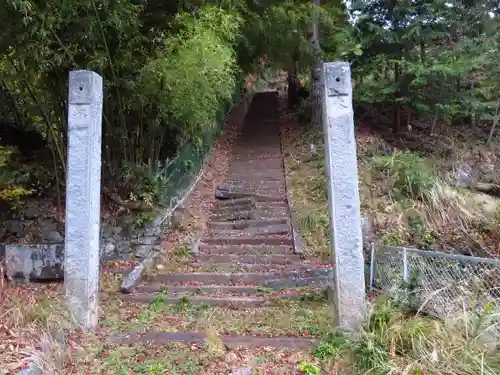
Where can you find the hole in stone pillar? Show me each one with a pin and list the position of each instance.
(80, 88)
(337, 79)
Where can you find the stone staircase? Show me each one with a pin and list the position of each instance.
(246, 258)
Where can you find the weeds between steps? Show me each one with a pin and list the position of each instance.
(391, 342)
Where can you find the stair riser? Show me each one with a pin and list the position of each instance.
(249, 259)
(273, 278)
(244, 250)
(269, 241)
(234, 303)
(245, 224)
(232, 342)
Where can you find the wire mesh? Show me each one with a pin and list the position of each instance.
(439, 284)
(181, 172)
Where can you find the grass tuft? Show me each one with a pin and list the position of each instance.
(392, 342)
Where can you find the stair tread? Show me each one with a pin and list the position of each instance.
(231, 341)
(178, 288)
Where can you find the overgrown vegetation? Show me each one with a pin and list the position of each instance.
(392, 342)
(167, 80)
(427, 107)
(170, 72)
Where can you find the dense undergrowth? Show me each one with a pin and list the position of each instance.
(412, 201)
(170, 71)
(167, 87)
(410, 196)
(394, 342)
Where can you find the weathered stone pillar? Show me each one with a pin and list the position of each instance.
(343, 195)
(83, 196)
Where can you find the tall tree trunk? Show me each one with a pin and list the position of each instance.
(293, 87)
(495, 122)
(316, 100)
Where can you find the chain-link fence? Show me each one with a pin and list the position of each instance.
(182, 171)
(439, 284)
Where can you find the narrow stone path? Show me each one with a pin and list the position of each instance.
(246, 259)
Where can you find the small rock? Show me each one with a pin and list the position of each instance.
(106, 231)
(142, 251)
(463, 175)
(270, 229)
(109, 248)
(243, 371)
(31, 213)
(14, 226)
(299, 243)
(150, 231)
(116, 230)
(368, 231)
(47, 225)
(123, 247)
(231, 357)
(146, 241)
(314, 152)
(195, 247)
(54, 237)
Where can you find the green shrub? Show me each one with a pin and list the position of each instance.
(11, 179)
(407, 173)
(197, 70)
(393, 341)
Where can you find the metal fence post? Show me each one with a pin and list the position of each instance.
(405, 265)
(372, 267)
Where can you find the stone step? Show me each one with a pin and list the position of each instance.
(258, 206)
(228, 210)
(230, 341)
(236, 202)
(250, 172)
(253, 231)
(231, 216)
(235, 302)
(271, 213)
(269, 241)
(181, 289)
(279, 212)
(255, 146)
(255, 177)
(259, 196)
(257, 160)
(259, 156)
(262, 278)
(256, 183)
(271, 205)
(245, 155)
(319, 281)
(244, 224)
(251, 191)
(228, 202)
(241, 250)
(282, 259)
(246, 185)
(239, 267)
(255, 167)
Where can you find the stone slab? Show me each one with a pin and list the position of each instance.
(136, 275)
(231, 341)
(35, 262)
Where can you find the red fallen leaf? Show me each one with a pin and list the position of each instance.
(19, 342)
